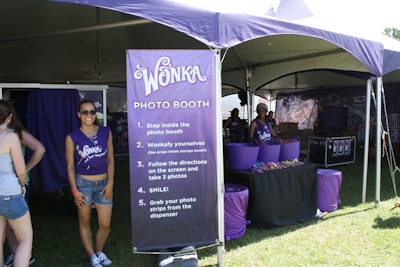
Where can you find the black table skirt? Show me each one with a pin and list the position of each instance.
(279, 197)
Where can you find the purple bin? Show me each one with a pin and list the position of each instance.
(269, 152)
(328, 189)
(242, 156)
(290, 149)
(236, 198)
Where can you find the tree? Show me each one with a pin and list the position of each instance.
(392, 33)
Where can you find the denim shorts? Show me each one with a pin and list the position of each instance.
(92, 190)
(12, 207)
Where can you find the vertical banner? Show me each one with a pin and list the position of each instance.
(172, 147)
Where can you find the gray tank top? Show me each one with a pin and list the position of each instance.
(9, 184)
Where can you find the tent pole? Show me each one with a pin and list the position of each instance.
(220, 160)
(366, 140)
(98, 64)
(378, 140)
(105, 107)
(249, 99)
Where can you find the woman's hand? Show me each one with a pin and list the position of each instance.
(23, 188)
(108, 191)
(79, 199)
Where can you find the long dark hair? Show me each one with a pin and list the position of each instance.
(86, 101)
(6, 108)
(233, 111)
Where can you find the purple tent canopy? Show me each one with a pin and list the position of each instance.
(225, 30)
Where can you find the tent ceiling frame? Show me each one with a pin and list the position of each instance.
(54, 86)
(98, 27)
(294, 58)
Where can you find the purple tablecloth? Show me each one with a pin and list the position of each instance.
(236, 199)
(328, 184)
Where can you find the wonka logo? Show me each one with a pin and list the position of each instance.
(165, 74)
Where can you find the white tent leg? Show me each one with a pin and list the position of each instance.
(105, 107)
(378, 140)
(366, 141)
(249, 100)
(220, 160)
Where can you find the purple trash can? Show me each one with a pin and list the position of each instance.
(236, 199)
(242, 156)
(328, 188)
(290, 149)
(269, 151)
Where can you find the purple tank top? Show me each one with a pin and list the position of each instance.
(234, 125)
(262, 133)
(91, 153)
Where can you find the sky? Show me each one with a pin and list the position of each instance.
(258, 7)
(361, 18)
(377, 12)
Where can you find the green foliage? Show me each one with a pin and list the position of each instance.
(393, 33)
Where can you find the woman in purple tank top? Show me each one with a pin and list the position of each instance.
(233, 124)
(260, 131)
(90, 166)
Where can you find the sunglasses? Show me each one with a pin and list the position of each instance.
(86, 112)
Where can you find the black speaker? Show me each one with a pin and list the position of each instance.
(336, 118)
(243, 97)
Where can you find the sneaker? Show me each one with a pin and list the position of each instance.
(94, 261)
(9, 262)
(31, 260)
(103, 258)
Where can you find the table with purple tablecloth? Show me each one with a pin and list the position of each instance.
(279, 197)
(235, 205)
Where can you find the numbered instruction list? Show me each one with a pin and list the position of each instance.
(181, 160)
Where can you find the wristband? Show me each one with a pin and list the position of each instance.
(74, 191)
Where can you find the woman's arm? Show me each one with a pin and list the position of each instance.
(69, 158)
(228, 121)
(252, 130)
(17, 157)
(37, 148)
(273, 133)
(108, 189)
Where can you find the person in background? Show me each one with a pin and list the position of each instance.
(38, 150)
(14, 210)
(271, 120)
(233, 123)
(260, 130)
(89, 156)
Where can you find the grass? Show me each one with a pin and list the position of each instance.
(357, 234)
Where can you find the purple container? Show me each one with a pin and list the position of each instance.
(242, 156)
(328, 188)
(236, 198)
(290, 149)
(269, 152)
